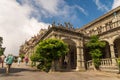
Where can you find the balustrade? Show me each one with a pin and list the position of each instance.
(89, 64)
(104, 63)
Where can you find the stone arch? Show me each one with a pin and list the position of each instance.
(106, 50)
(69, 60)
(117, 46)
(87, 55)
(115, 37)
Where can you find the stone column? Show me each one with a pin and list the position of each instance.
(112, 54)
(80, 58)
(53, 36)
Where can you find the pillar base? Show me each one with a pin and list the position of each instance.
(114, 63)
(80, 69)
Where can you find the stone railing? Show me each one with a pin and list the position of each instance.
(104, 63)
(89, 64)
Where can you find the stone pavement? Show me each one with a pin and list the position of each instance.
(23, 72)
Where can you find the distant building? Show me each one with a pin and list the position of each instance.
(107, 27)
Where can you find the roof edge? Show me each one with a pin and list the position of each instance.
(101, 17)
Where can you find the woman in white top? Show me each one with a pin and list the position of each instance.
(19, 60)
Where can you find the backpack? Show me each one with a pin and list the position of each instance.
(9, 60)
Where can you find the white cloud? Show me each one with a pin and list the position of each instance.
(18, 23)
(16, 26)
(59, 7)
(81, 9)
(50, 8)
(101, 6)
(49, 5)
(33, 26)
(115, 4)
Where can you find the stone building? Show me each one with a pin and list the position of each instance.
(28, 47)
(107, 27)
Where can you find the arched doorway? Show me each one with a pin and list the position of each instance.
(106, 51)
(117, 47)
(69, 61)
(87, 55)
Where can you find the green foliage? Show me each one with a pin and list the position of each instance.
(33, 64)
(47, 51)
(1, 51)
(52, 48)
(44, 66)
(35, 57)
(95, 43)
(22, 56)
(96, 54)
(118, 62)
(95, 47)
(1, 41)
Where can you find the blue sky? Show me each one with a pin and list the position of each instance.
(22, 19)
(80, 12)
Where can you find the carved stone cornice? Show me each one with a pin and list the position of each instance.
(62, 30)
(110, 31)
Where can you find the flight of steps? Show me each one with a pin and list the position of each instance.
(113, 69)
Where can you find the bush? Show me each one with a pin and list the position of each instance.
(95, 47)
(44, 66)
(47, 51)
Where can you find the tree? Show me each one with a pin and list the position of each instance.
(48, 51)
(1, 49)
(118, 60)
(1, 41)
(34, 57)
(95, 46)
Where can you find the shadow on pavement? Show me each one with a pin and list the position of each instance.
(14, 70)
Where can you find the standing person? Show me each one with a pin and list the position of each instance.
(5, 59)
(26, 60)
(19, 60)
(9, 62)
(2, 60)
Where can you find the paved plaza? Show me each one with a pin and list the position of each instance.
(23, 72)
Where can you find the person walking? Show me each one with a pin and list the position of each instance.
(26, 60)
(19, 60)
(2, 60)
(9, 62)
(5, 59)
